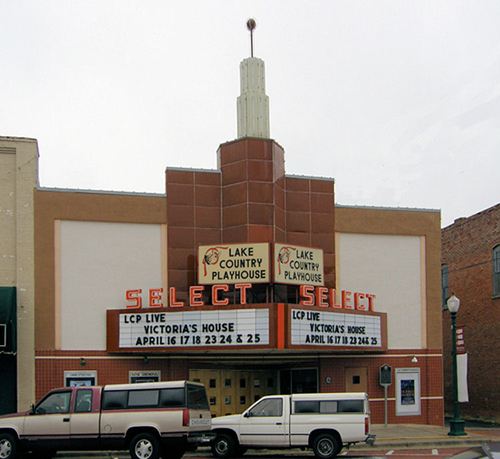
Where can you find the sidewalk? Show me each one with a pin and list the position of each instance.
(401, 435)
(392, 436)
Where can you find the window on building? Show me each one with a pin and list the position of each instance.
(444, 285)
(496, 271)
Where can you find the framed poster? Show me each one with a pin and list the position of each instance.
(408, 391)
(80, 378)
(135, 377)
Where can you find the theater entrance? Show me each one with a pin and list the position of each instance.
(231, 391)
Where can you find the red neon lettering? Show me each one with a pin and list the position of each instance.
(332, 298)
(155, 298)
(172, 300)
(243, 291)
(195, 294)
(360, 305)
(215, 295)
(371, 301)
(135, 296)
(322, 297)
(306, 295)
(347, 299)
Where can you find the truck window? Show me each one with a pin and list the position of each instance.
(173, 398)
(328, 406)
(114, 400)
(54, 403)
(197, 397)
(268, 407)
(83, 402)
(307, 406)
(143, 398)
(350, 406)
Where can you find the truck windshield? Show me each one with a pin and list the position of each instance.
(196, 397)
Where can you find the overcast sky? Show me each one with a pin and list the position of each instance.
(399, 101)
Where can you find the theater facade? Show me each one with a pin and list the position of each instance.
(245, 278)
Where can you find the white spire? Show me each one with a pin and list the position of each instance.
(253, 104)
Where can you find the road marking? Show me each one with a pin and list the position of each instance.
(435, 452)
(389, 452)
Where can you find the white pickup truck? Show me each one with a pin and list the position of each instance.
(324, 422)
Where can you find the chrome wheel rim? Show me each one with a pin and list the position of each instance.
(5, 448)
(325, 447)
(143, 449)
(221, 447)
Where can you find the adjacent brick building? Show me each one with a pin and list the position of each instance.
(471, 270)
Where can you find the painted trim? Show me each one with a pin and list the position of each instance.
(57, 284)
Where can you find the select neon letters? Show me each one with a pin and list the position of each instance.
(309, 296)
(134, 299)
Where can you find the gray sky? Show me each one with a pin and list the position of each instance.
(399, 101)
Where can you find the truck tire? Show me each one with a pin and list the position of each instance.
(8, 446)
(145, 446)
(326, 446)
(224, 445)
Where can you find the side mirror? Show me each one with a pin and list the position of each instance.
(247, 414)
(32, 409)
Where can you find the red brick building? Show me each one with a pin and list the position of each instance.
(243, 277)
(471, 270)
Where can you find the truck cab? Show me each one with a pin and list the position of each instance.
(323, 422)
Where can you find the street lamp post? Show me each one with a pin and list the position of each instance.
(456, 424)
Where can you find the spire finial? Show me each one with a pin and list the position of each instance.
(251, 24)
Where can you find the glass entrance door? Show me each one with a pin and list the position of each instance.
(299, 381)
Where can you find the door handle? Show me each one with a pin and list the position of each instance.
(65, 419)
(279, 423)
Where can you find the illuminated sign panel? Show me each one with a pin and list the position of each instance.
(199, 329)
(298, 265)
(335, 329)
(233, 263)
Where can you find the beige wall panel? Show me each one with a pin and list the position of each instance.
(411, 222)
(50, 206)
(7, 219)
(98, 263)
(389, 267)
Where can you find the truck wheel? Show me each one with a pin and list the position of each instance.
(8, 446)
(326, 446)
(224, 445)
(145, 446)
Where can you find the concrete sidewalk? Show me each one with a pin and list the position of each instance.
(401, 435)
(392, 436)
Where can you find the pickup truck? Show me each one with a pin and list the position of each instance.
(150, 419)
(324, 422)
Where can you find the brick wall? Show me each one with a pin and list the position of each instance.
(430, 365)
(467, 248)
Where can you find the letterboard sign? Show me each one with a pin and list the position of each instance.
(335, 329)
(233, 263)
(194, 329)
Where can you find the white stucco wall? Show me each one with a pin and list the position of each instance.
(97, 263)
(391, 267)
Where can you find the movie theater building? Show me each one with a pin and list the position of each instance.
(245, 278)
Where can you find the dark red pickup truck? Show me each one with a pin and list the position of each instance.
(151, 420)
